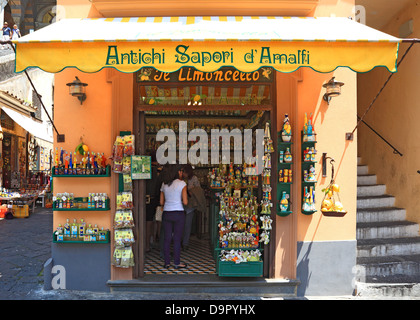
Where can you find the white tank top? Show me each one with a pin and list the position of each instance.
(173, 195)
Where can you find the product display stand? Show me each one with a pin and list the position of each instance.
(308, 175)
(237, 245)
(122, 152)
(285, 180)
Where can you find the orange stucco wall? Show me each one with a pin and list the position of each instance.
(108, 109)
(300, 93)
(90, 122)
(395, 116)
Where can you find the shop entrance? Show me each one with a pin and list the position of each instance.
(178, 105)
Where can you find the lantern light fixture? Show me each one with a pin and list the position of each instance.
(333, 89)
(78, 89)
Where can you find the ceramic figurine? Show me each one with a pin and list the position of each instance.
(284, 203)
(305, 202)
(265, 237)
(312, 198)
(267, 161)
(286, 132)
(267, 139)
(311, 174)
(287, 156)
(305, 128)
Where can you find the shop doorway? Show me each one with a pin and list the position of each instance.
(226, 99)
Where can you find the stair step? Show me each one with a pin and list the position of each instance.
(388, 246)
(362, 170)
(382, 201)
(371, 190)
(394, 287)
(366, 179)
(206, 284)
(386, 229)
(380, 214)
(391, 267)
(383, 247)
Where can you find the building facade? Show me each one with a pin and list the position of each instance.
(310, 251)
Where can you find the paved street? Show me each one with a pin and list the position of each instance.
(25, 245)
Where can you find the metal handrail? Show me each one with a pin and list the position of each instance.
(395, 150)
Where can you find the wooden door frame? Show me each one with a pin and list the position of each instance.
(139, 186)
(139, 189)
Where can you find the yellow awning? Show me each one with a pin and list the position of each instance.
(207, 44)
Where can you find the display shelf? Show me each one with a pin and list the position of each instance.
(243, 269)
(82, 241)
(305, 166)
(106, 174)
(309, 162)
(308, 213)
(283, 213)
(79, 201)
(217, 248)
(284, 143)
(308, 142)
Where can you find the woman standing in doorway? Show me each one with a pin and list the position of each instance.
(173, 197)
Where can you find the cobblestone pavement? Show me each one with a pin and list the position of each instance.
(25, 245)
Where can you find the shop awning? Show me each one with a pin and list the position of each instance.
(207, 43)
(36, 128)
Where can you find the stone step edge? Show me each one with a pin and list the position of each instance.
(378, 209)
(384, 224)
(365, 243)
(376, 261)
(391, 290)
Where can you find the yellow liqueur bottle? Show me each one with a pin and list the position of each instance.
(66, 230)
(82, 229)
(74, 231)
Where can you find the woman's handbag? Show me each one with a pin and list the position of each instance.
(159, 211)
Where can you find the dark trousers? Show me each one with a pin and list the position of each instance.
(173, 226)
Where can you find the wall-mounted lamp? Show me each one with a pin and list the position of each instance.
(333, 89)
(78, 89)
(324, 165)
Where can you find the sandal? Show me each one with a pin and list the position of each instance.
(166, 266)
(181, 265)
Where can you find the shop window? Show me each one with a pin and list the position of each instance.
(6, 121)
(189, 87)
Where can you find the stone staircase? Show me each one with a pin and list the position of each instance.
(388, 246)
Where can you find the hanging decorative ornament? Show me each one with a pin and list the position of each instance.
(268, 142)
(331, 204)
